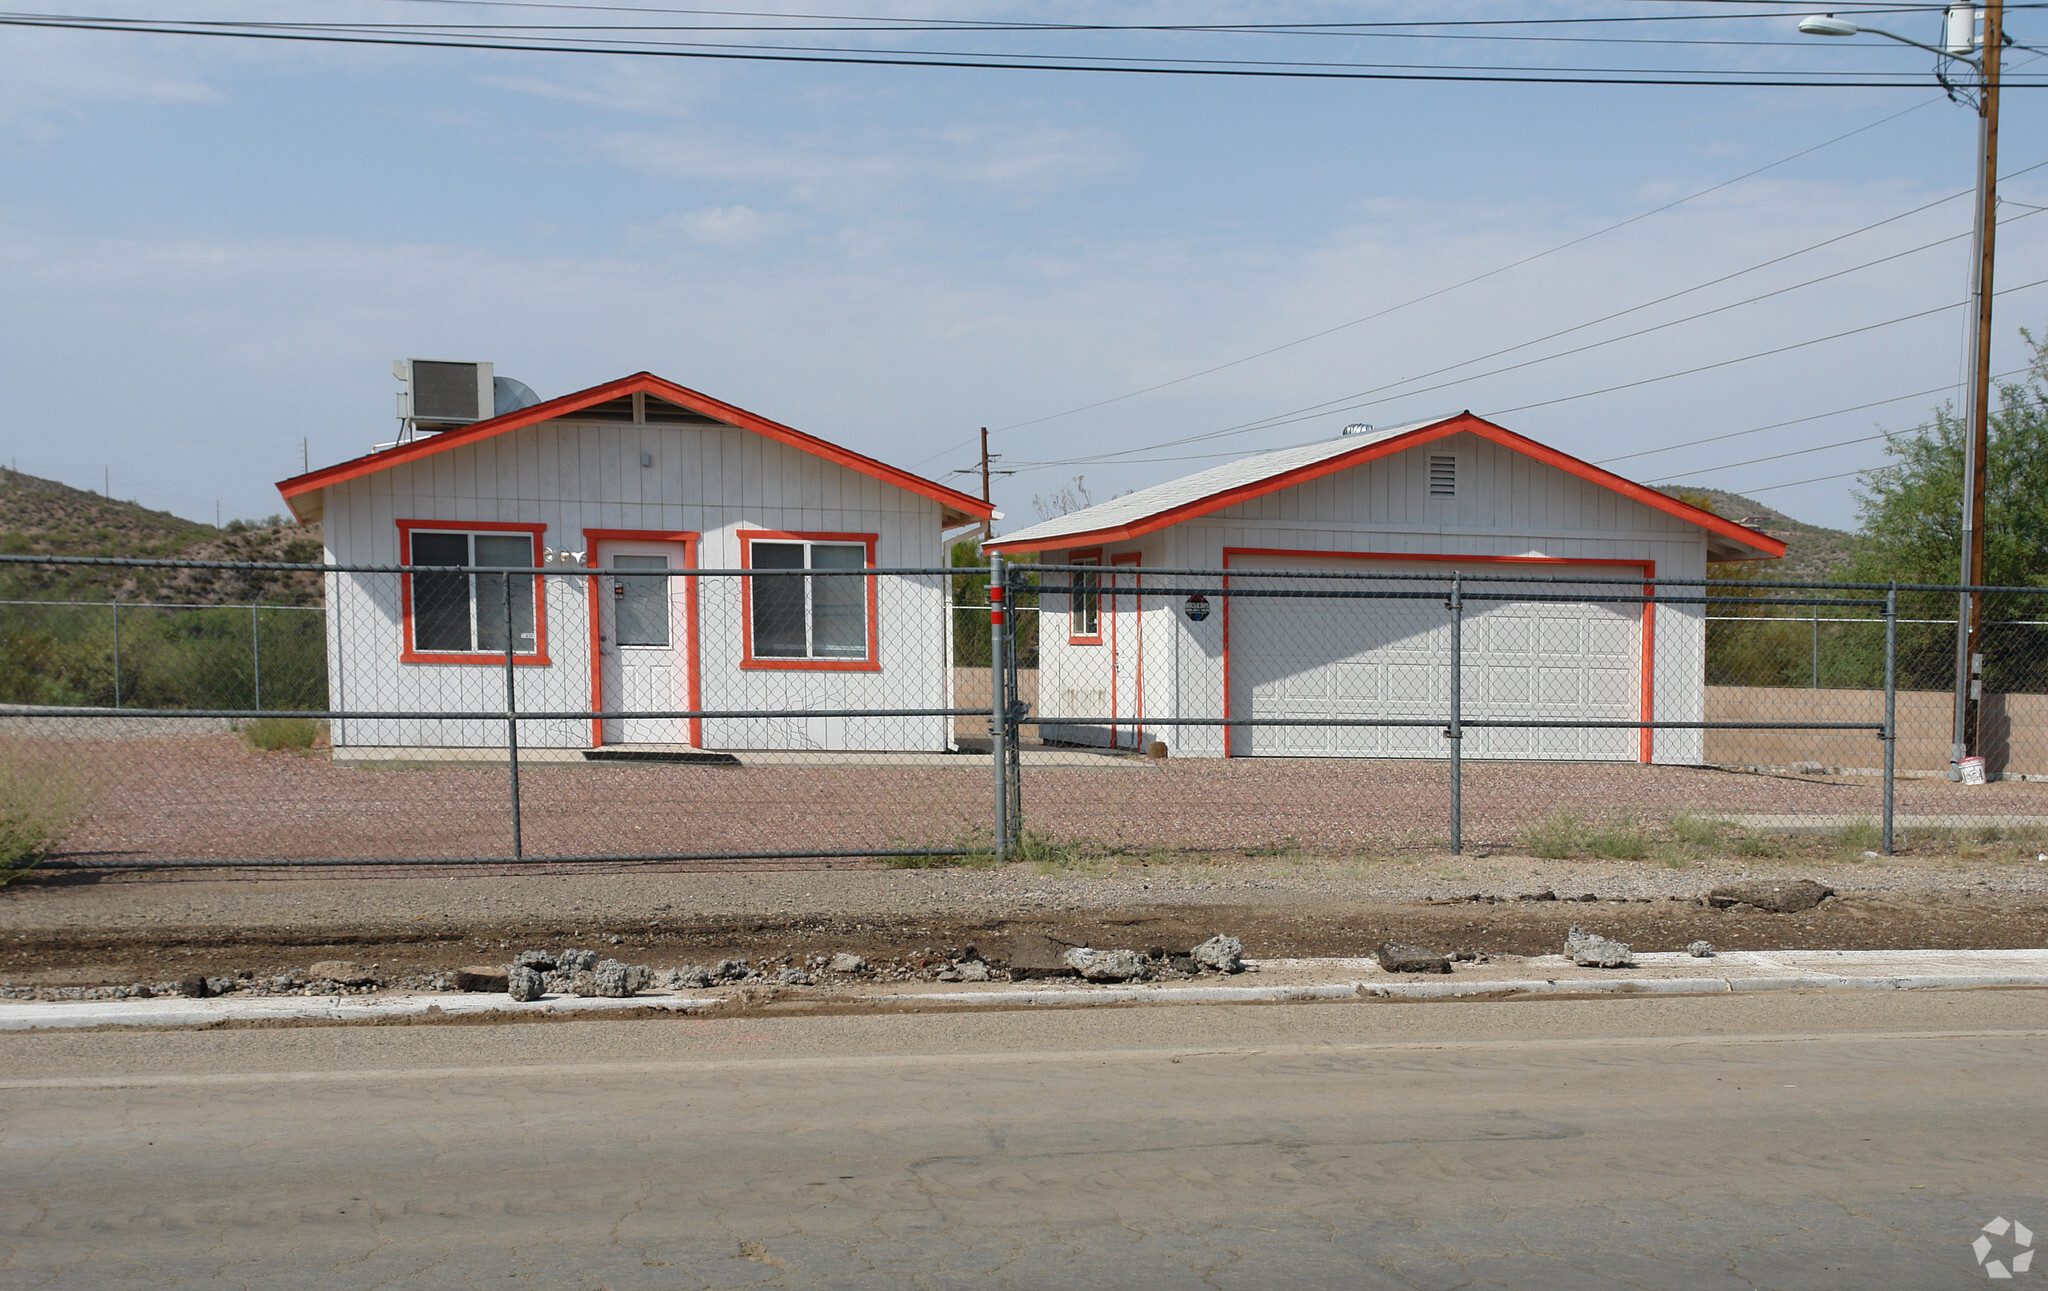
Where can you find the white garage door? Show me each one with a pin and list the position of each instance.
(1315, 659)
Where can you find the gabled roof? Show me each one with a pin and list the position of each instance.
(1136, 514)
(957, 507)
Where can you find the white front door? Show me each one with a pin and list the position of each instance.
(643, 635)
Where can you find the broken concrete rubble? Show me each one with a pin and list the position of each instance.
(845, 962)
(1105, 965)
(1700, 949)
(1034, 954)
(524, 984)
(1397, 958)
(1222, 952)
(481, 977)
(1591, 950)
(345, 971)
(1778, 896)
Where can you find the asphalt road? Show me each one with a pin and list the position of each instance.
(1792, 1141)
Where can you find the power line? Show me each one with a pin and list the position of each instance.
(991, 62)
(1760, 354)
(1332, 28)
(1779, 425)
(1774, 457)
(1353, 401)
(1693, 371)
(1793, 484)
(1467, 282)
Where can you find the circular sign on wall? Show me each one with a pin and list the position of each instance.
(1198, 608)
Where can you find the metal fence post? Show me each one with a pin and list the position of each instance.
(1013, 724)
(1456, 733)
(117, 649)
(999, 702)
(256, 656)
(1816, 644)
(1891, 705)
(512, 719)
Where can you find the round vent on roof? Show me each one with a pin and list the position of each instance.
(1359, 428)
(508, 395)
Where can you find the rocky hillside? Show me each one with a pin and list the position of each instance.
(47, 518)
(1811, 551)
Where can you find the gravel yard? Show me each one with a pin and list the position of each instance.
(212, 797)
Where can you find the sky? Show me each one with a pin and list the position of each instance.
(211, 249)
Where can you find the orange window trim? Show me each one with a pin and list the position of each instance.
(693, 679)
(873, 663)
(1084, 556)
(476, 658)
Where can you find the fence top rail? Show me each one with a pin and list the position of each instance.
(1360, 575)
(969, 571)
(1439, 593)
(550, 571)
(173, 605)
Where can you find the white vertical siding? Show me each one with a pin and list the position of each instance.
(1506, 505)
(572, 476)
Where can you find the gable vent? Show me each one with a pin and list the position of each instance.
(1443, 475)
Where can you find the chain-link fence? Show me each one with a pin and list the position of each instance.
(814, 710)
(799, 712)
(1587, 710)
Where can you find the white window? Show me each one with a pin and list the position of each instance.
(456, 613)
(806, 616)
(1084, 603)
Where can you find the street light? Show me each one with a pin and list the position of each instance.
(1961, 44)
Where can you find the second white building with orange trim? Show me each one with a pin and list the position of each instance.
(1452, 493)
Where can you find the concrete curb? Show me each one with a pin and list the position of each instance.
(62, 1014)
(1744, 972)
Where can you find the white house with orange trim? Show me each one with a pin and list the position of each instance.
(1450, 494)
(622, 484)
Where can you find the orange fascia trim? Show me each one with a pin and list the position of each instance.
(591, 537)
(873, 663)
(1463, 423)
(406, 654)
(1645, 702)
(643, 383)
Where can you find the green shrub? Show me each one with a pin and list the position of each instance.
(1859, 836)
(1697, 831)
(1558, 836)
(1620, 840)
(40, 799)
(282, 732)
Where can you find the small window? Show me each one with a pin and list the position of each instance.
(1443, 475)
(461, 613)
(798, 616)
(1084, 603)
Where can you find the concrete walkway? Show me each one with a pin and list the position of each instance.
(1264, 981)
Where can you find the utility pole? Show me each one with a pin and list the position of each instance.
(1976, 469)
(1981, 53)
(985, 533)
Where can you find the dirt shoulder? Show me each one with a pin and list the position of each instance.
(140, 928)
